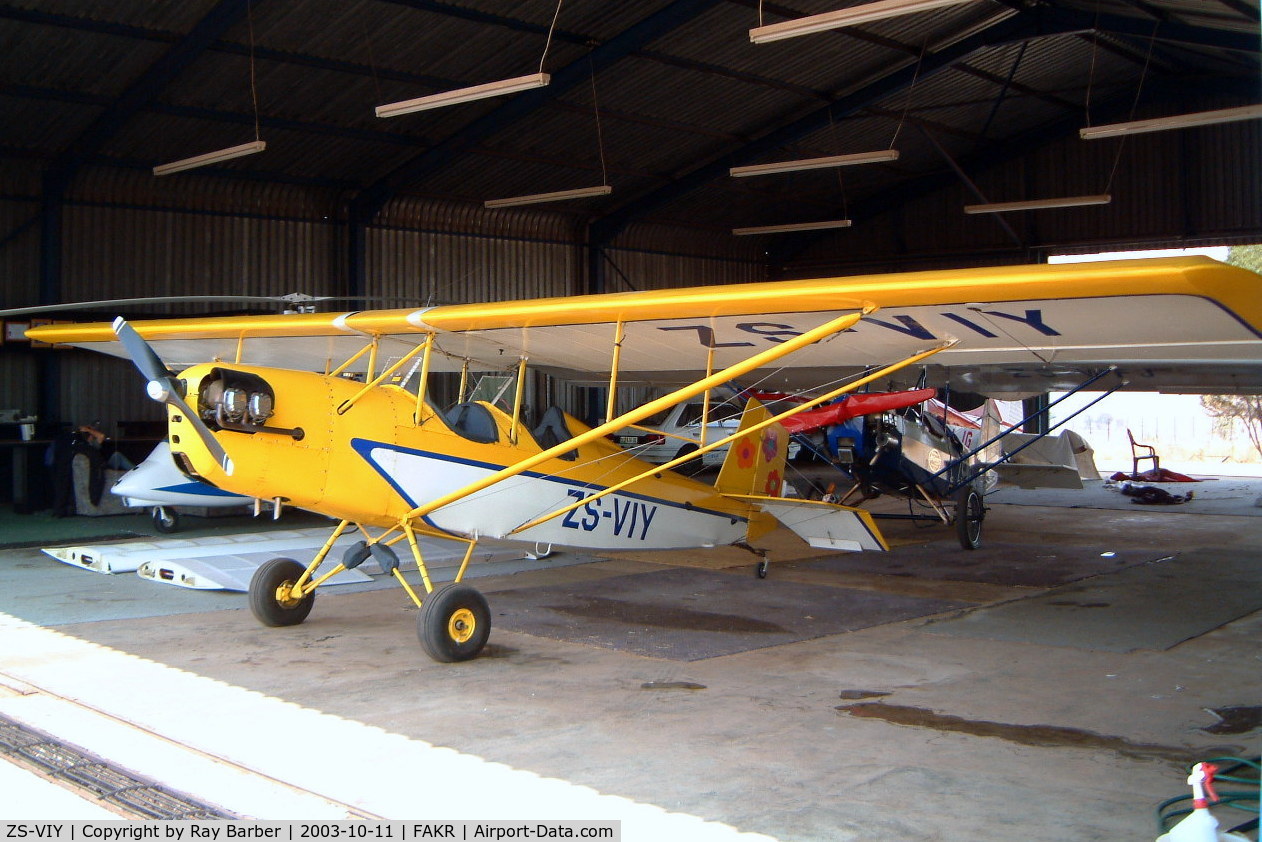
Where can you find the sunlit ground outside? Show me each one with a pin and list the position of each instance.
(1187, 438)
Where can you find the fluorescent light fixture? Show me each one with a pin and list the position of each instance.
(799, 226)
(815, 163)
(1041, 204)
(558, 196)
(1178, 121)
(867, 13)
(210, 158)
(490, 89)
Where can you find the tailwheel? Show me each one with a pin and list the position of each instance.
(970, 511)
(270, 599)
(454, 623)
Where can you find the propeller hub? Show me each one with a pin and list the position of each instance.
(158, 391)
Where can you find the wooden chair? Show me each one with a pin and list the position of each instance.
(1140, 452)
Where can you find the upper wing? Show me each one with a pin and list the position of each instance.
(1190, 324)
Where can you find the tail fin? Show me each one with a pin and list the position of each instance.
(755, 462)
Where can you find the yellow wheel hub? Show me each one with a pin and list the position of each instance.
(461, 625)
(285, 596)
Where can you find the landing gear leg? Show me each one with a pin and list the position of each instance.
(764, 564)
(454, 622)
(282, 592)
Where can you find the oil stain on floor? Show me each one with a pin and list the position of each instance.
(1043, 736)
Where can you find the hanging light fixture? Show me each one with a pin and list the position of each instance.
(475, 92)
(867, 13)
(797, 226)
(256, 145)
(815, 163)
(1041, 204)
(210, 158)
(1178, 121)
(556, 196)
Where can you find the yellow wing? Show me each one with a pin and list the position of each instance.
(1172, 323)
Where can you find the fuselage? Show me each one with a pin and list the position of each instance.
(371, 462)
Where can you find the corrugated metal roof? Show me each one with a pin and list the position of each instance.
(115, 84)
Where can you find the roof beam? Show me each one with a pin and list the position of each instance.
(979, 161)
(1042, 21)
(606, 228)
(146, 88)
(370, 202)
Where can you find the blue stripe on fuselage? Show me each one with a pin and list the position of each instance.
(364, 446)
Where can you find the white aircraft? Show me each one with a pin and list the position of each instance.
(159, 483)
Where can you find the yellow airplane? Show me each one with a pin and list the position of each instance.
(330, 412)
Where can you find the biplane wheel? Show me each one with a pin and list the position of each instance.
(165, 520)
(970, 511)
(268, 607)
(762, 569)
(454, 623)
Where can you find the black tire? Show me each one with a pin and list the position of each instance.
(970, 511)
(166, 520)
(690, 469)
(454, 623)
(264, 604)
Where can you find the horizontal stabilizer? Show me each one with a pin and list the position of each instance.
(826, 526)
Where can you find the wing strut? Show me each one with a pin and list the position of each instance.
(775, 419)
(1007, 456)
(732, 372)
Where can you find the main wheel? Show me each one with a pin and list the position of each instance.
(970, 511)
(270, 601)
(454, 623)
(165, 520)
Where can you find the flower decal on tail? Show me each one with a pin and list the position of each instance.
(770, 443)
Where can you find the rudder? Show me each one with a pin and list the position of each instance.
(755, 462)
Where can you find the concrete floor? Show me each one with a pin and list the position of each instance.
(896, 731)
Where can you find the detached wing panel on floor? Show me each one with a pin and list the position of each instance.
(1171, 323)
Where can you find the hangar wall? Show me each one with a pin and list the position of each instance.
(126, 234)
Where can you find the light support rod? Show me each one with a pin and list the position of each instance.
(1041, 204)
(867, 13)
(797, 226)
(558, 196)
(210, 158)
(1177, 121)
(490, 89)
(815, 163)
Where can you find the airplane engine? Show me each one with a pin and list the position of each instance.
(236, 400)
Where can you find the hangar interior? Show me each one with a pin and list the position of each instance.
(657, 101)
